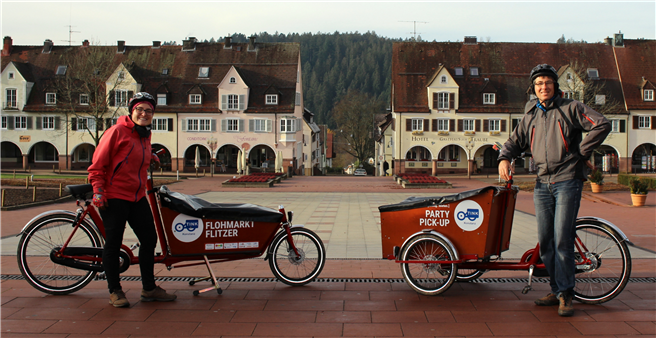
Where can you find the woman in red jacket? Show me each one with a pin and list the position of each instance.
(118, 175)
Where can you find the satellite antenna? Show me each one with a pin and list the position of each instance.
(70, 33)
(414, 31)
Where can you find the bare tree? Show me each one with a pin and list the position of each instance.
(590, 90)
(82, 93)
(354, 115)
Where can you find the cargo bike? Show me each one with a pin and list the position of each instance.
(439, 240)
(60, 251)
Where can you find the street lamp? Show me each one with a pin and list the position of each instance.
(469, 145)
(212, 144)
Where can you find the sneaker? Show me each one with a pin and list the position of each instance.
(565, 309)
(157, 295)
(548, 300)
(118, 299)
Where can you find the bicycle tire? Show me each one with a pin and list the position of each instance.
(36, 244)
(293, 270)
(607, 275)
(468, 275)
(428, 279)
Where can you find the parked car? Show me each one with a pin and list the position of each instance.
(360, 172)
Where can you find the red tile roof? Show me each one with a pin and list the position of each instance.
(637, 64)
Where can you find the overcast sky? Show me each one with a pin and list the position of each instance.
(140, 23)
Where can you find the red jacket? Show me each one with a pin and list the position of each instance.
(120, 162)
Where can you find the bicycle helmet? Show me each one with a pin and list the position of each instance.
(141, 97)
(544, 70)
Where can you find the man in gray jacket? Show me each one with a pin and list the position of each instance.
(552, 129)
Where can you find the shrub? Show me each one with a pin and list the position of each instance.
(638, 186)
(596, 176)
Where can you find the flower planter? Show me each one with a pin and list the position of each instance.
(596, 188)
(638, 199)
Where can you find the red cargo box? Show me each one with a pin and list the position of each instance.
(475, 221)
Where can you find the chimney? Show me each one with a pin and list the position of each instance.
(470, 40)
(189, 45)
(120, 47)
(251, 44)
(47, 46)
(608, 40)
(157, 44)
(228, 42)
(7, 47)
(85, 43)
(619, 40)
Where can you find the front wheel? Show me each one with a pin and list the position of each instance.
(468, 275)
(292, 269)
(36, 245)
(428, 278)
(603, 263)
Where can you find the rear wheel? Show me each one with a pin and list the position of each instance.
(302, 269)
(39, 240)
(428, 278)
(603, 263)
(468, 275)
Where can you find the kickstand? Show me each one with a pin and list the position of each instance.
(528, 287)
(215, 284)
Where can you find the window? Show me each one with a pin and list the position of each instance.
(443, 79)
(120, 98)
(495, 125)
(615, 126)
(644, 122)
(48, 123)
(600, 99)
(199, 124)
(233, 102)
(287, 125)
(271, 99)
(61, 70)
(4, 122)
(11, 75)
(160, 124)
(233, 80)
(489, 98)
(84, 99)
(161, 99)
(449, 153)
(569, 95)
(442, 124)
(195, 99)
(417, 124)
(165, 71)
(20, 122)
(233, 125)
(442, 101)
(649, 95)
(11, 99)
(458, 71)
(45, 152)
(204, 72)
(593, 73)
(468, 125)
(260, 125)
(51, 98)
(121, 75)
(85, 123)
(473, 71)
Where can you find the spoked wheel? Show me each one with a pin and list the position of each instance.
(302, 269)
(428, 278)
(603, 266)
(468, 275)
(35, 247)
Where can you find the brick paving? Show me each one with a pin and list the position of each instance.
(337, 308)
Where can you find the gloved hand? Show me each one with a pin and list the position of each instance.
(99, 199)
(154, 162)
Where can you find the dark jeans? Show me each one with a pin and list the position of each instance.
(556, 208)
(140, 218)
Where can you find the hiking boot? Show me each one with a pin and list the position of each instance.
(548, 300)
(118, 299)
(157, 295)
(565, 309)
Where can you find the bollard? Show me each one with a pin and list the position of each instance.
(60, 189)
(34, 193)
(14, 173)
(203, 172)
(86, 180)
(3, 198)
(177, 175)
(27, 182)
(54, 170)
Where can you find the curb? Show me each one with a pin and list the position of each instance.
(594, 198)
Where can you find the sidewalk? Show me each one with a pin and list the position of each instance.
(359, 297)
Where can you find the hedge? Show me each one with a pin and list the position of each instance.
(625, 178)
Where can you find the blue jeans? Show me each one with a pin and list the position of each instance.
(556, 209)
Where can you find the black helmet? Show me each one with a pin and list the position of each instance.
(544, 70)
(141, 97)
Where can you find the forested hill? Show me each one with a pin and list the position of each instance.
(335, 63)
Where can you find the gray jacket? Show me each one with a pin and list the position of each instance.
(555, 138)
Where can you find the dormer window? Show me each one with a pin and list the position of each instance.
(272, 99)
(195, 99)
(648, 95)
(51, 98)
(161, 99)
(84, 99)
(165, 71)
(600, 99)
(458, 71)
(204, 72)
(233, 80)
(593, 73)
(443, 79)
(61, 70)
(473, 71)
(489, 98)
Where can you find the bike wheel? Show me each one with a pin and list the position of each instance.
(610, 263)
(35, 247)
(468, 275)
(293, 270)
(428, 278)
